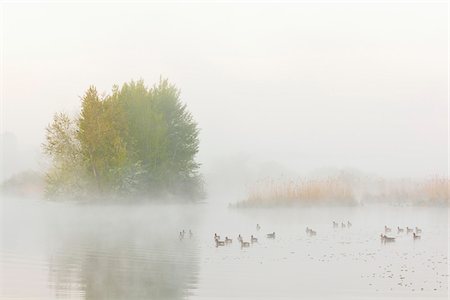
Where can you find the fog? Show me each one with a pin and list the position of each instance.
(55, 250)
(300, 85)
(325, 123)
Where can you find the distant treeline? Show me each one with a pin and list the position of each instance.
(28, 184)
(342, 190)
(136, 141)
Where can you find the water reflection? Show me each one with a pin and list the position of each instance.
(124, 267)
(106, 253)
(64, 251)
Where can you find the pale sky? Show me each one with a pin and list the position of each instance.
(307, 86)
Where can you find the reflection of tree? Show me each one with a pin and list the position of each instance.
(122, 264)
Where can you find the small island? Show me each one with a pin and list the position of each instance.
(135, 142)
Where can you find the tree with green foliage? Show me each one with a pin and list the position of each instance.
(61, 144)
(101, 130)
(137, 140)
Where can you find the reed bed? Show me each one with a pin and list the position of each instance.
(305, 192)
(342, 191)
(433, 191)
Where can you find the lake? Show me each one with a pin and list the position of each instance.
(67, 251)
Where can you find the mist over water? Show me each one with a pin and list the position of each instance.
(64, 250)
(52, 250)
(290, 115)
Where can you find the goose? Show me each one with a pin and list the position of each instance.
(312, 232)
(387, 239)
(335, 225)
(219, 243)
(415, 236)
(181, 235)
(418, 230)
(271, 235)
(244, 244)
(349, 224)
(387, 229)
(258, 227)
(253, 239)
(228, 241)
(190, 234)
(342, 225)
(216, 237)
(409, 230)
(239, 238)
(307, 230)
(400, 229)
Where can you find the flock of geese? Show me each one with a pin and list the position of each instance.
(343, 225)
(388, 239)
(244, 244)
(182, 234)
(309, 231)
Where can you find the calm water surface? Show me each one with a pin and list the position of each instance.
(67, 251)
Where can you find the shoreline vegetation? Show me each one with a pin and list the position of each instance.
(269, 193)
(341, 191)
(136, 143)
(140, 144)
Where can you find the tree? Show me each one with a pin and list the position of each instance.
(101, 131)
(147, 132)
(181, 142)
(135, 140)
(62, 145)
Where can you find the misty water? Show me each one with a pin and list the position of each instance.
(68, 251)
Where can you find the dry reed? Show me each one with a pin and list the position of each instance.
(340, 191)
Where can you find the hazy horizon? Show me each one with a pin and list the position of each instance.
(310, 160)
(297, 86)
